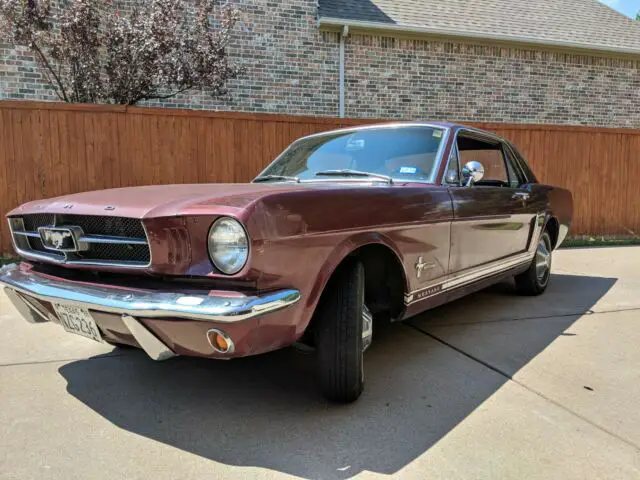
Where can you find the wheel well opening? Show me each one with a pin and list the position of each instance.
(384, 285)
(384, 281)
(553, 228)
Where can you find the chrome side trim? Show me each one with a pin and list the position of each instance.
(488, 270)
(463, 278)
(147, 340)
(151, 304)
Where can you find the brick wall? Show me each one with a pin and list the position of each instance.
(416, 78)
(293, 68)
(20, 77)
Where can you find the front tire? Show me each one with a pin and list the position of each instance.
(535, 280)
(339, 334)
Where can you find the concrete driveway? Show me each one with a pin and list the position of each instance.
(493, 386)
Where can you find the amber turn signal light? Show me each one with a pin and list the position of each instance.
(220, 341)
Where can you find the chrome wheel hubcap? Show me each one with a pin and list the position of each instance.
(543, 261)
(367, 327)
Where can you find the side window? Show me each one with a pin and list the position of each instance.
(490, 155)
(452, 175)
(522, 165)
(516, 179)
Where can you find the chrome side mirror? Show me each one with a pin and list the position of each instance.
(472, 172)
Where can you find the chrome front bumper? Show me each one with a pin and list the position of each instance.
(224, 307)
(22, 286)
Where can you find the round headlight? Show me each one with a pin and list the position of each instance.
(228, 245)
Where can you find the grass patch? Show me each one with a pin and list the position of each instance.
(599, 242)
(4, 260)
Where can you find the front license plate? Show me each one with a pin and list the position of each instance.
(77, 320)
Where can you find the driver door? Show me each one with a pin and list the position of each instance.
(493, 219)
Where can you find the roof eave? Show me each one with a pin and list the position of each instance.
(362, 25)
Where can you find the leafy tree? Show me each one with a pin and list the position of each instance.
(89, 52)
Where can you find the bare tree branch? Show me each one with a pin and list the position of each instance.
(50, 69)
(162, 97)
(95, 54)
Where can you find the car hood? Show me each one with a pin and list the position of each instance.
(165, 200)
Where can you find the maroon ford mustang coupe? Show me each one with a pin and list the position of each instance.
(343, 230)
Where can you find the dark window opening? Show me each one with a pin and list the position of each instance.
(490, 155)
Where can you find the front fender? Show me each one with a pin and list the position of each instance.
(342, 251)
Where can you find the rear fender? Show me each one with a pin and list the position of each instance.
(560, 208)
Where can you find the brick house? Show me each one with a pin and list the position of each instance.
(518, 61)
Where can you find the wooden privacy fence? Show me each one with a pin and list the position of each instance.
(49, 149)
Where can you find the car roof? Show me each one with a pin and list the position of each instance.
(373, 126)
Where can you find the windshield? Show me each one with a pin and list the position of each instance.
(407, 153)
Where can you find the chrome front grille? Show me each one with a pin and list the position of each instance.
(110, 241)
(110, 226)
(32, 222)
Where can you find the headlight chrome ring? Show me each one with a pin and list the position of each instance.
(228, 245)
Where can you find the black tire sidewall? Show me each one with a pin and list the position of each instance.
(339, 334)
(527, 283)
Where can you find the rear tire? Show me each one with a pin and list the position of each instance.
(535, 280)
(339, 343)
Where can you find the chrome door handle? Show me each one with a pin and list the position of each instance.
(520, 196)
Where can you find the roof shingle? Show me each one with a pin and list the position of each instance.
(584, 23)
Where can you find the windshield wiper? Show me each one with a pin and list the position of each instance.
(353, 173)
(268, 178)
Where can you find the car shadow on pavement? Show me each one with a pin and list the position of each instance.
(265, 411)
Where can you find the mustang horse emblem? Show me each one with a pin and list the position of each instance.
(58, 239)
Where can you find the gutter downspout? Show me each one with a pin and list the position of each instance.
(343, 36)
